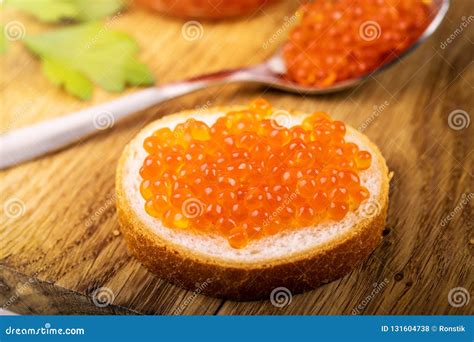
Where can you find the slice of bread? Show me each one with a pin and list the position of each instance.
(298, 259)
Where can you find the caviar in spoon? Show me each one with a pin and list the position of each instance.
(345, 39)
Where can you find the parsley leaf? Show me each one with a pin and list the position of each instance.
(74, 82)
(57, 10)
(79, 55)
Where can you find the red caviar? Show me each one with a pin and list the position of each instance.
(246, 176)
(344, 39)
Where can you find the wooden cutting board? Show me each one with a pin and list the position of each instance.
(63, 243)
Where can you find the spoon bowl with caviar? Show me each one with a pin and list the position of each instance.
(336, 45)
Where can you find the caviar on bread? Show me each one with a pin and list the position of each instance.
(251, 198)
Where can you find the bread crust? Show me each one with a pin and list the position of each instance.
(251, 281)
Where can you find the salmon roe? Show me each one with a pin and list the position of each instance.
(344, 39)
(246, 176)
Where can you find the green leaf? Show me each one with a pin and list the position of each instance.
(57, 10)
(137, 73)
(74, 82)
(89, 52)
(97, 9)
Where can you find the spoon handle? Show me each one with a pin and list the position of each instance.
(50, 135)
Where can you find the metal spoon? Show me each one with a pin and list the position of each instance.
(36, 140)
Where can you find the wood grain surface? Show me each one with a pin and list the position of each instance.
(59, 238)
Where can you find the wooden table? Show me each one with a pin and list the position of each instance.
(65, 243)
